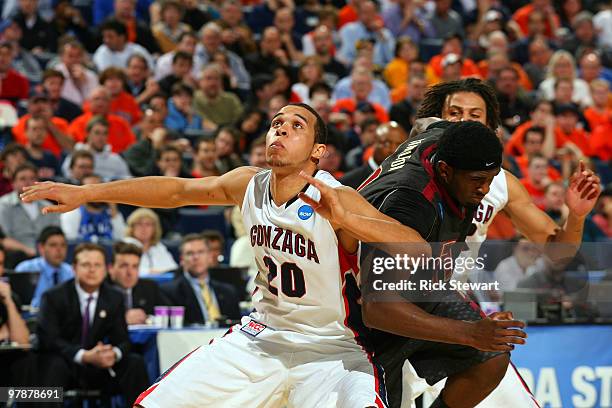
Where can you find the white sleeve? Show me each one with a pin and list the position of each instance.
(70, 223)
(118, 224)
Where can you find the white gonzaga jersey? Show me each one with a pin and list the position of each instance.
(305, 279)
(495, 200)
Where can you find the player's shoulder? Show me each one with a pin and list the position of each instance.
(327, 178)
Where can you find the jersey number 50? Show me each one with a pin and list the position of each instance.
(292, 281)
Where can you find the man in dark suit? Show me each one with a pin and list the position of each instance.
(140, 295)
(83, 335)
(204, 299)
(388, 137)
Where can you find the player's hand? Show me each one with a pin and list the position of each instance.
(329, 205)
(68, 197)
(492, 334)
(583, 191)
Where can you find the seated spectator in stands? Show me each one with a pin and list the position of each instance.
(205, 159)
(397, 71)
(550, 18)
(21, 222)
(283, 78)
(140, 295)
(568, 131)
(388, 137)
(52, 249)
(541, 115)
(362, 137)
(453, 44)
(134, 15)
(71, 20)
(139, 82)
(405, 19)
(226, 141)
(53, 83)
(539, 56)
(144, 229)
(81, 165)
(526, 259)
(122, 103)
(534, 145)
(603, 211)
(310, 73)
(14, 87)
(45, 161)
(120, 136)
(116, 48)
(537, 179)
(583, 36)
(236, 35)
(324, 50)
(141, 156)
(12, 156)
(210, 43)
(169, 29)
(498, 57)
(284, 21)
(514, 103)
(181, 117)
(170, 162)
(451, 68)
(205, 300)
(83, 334)
(591, 68)
(554, 202)
(333, 159)
(38, 34)
(57, 138)
(187, 44)
(79, 81)
(600, 114)
(563, 66)
(182, 65)
(444, 20)
(270, 53)
(212, 102)
(404, 110)
(379, 92)
(361, 85)
(24, 61)
(368, 26)
(94, 222)
(251, 124)
(262, 90)
(216, 247)
(108, 165)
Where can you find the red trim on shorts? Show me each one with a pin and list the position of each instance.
(224, 334)
(524, 384)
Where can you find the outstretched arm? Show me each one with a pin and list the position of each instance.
(154, 192)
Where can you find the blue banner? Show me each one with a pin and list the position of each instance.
(568, 366)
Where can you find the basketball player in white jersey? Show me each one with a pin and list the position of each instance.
(298, 348)
(473, 99)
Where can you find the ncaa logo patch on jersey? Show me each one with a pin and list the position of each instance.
(253, 328)
(305, 212)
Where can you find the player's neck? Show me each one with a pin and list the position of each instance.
(286, 184)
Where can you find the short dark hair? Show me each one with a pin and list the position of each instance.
(260, 141)
(213, 235)
(319, 87)
(140, 57)
(182, 55)
(125, 248)
(52, 73)
(535, 129)
(187, 34)
(25, 167)
(112, 24)
(320, 126)
(80, 154)
(470, 146)
(190, 238)
(48, 232)
(11, 149)
(170, 148)
(181, 88)
(96, 120)
(435, 98)
(112, 72)
(204, 139)
(88, 246)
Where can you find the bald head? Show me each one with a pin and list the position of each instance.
(388, 138)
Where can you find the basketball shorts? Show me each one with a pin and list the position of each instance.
(249, 367)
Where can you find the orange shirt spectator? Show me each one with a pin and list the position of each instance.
(347, 14)
(601, 142)
(123, 105)
(49, 143)
(598, 118)
(350, 105)
(577, 136)
(537, 194)
(468, 68)
(521, 16)
(523, 164)
(120, 135)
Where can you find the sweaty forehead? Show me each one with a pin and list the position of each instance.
(298, 110)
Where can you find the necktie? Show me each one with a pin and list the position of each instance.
(85, 326)
(128, 299)
(55, 277)
(211, 306)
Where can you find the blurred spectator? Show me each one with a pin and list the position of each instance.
(139, 82)
(216, 247)
(603, 211)
(205, 158)
(498, 57)
(120, 136)
(194, 15)
(45, 161)
(212, 102)
(205, 299)
(291, 41)
(169, 29)
(144, 229)
(23, 222)
(539, 56)
(187, 44)
(141, 156)
(453, 44)
(228, 78)
(537, 179)
(583, 34)
(283, 78)
(551, 19)
(226, 140)
(362, 89)
(182, 65)
(140, 295)
(603, 23)
(79, 344)
(262, 90)
(536, 31)
(38, 34)
(600, 114)
(406, 18)
(181, 117)
(310, 73)
(24, 61)
(533, 143)
(269, 55)
(79, 81)
(563, 66)
(388, 138)
(526, 259)
(170, 162)
(514, 103)
(368, 27)
(444, 20)
(568, 131)
(332, 160)
(81, 166)
(57, 138)
(123, 104)
(236, 35)
(116, 48)
(93, 222)
(52, 249)
(53, 83)
(108, 165)
(324, 50)
(348, 13)
(210, 43)
(12, 156)
(13, 328)
(568, 12)
(554, 202)
(397, 71)
(72, 20)
(542, 115)
(134, 19)
(451, 68)
(592, 69)
(404, 111)
(14, 87)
